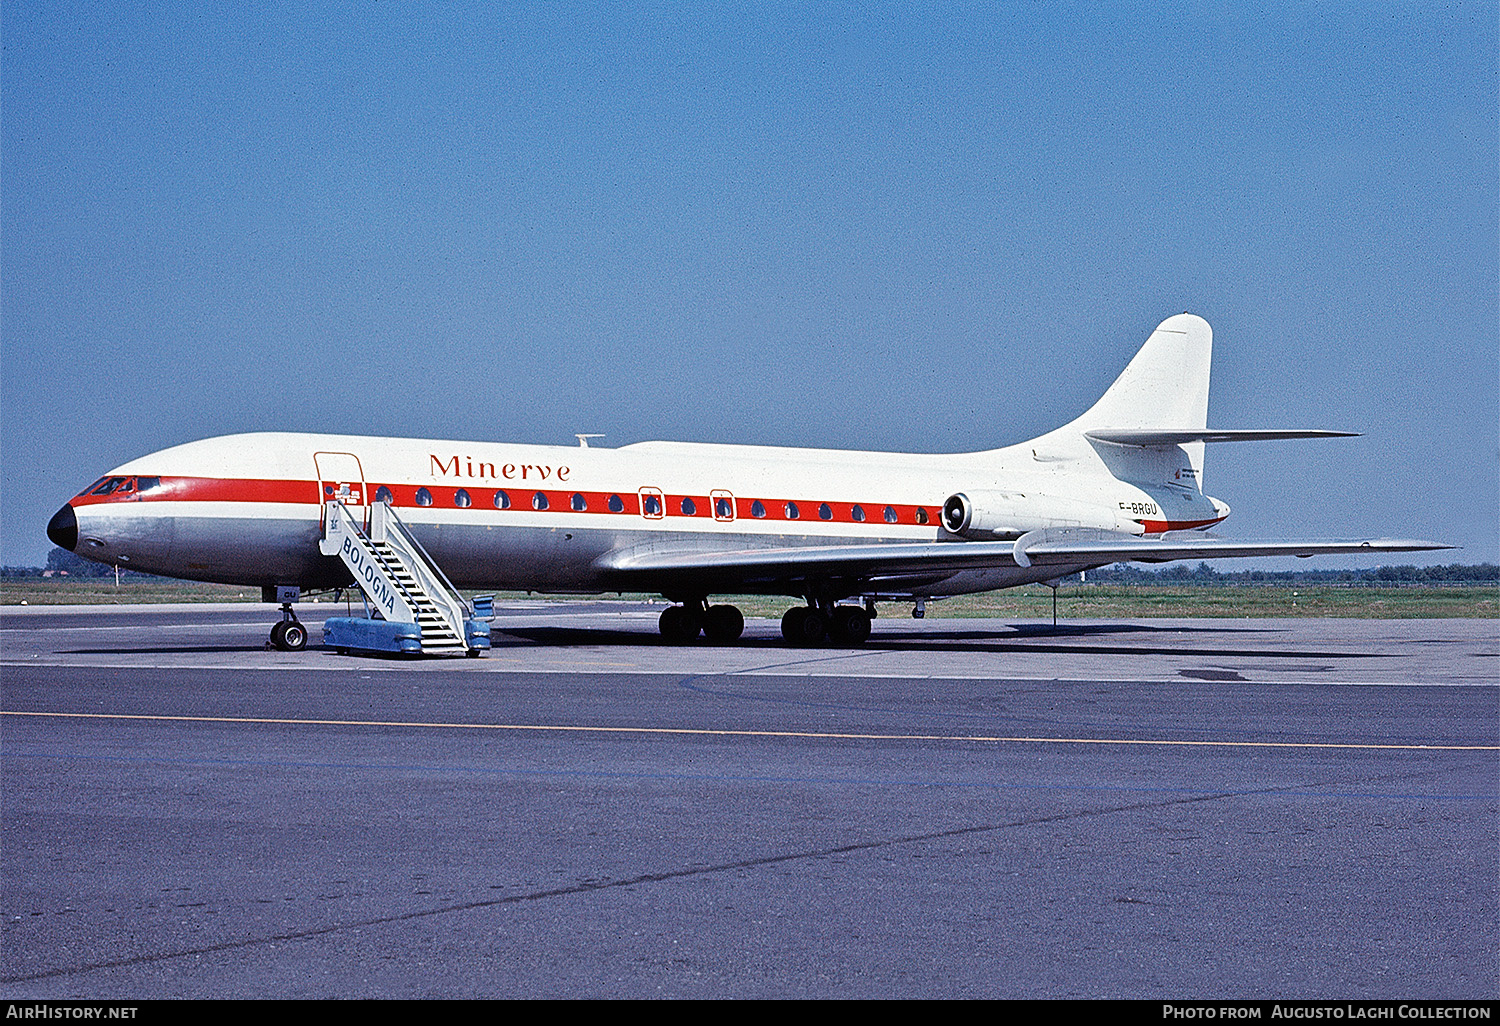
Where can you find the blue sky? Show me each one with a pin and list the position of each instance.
(912, 227)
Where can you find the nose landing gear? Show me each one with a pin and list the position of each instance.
(288, 634)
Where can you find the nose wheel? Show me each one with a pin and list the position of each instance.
(288, 634)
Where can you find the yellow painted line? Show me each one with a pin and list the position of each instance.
(721, 732)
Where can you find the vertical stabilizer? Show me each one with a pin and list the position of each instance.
(1164, 386)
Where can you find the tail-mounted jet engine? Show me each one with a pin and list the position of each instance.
(1008, 515)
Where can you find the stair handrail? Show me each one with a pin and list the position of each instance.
(343, 537)
(450, 604)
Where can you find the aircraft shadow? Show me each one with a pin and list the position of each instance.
(946, 641)
(165, 650)
(1019, 639)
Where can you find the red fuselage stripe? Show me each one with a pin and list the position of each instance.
(703, 507)
(1158, 526)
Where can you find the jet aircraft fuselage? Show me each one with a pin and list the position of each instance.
(1123, 481)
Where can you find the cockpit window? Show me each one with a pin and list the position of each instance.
(107, 485)
(148, 483)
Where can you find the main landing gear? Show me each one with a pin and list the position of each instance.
(806, 626)
(719, 624)
(803, 626)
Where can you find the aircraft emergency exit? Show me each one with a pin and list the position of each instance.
(294, 513)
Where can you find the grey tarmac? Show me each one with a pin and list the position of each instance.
(961, 808)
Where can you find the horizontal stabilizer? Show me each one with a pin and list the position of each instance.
(1163, 437)
(1064, 547)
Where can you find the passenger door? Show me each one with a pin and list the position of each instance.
(340, 476)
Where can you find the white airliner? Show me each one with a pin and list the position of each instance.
(1121, 482)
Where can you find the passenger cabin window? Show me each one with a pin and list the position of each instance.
(689, 507)
(825, 512)
(650, 504)
(383, 494)
(791, 511)
(757, 508)
(890, 514)
(461, 499)
(859, 514)
(921, 515)
(424, 497)
(539, 501)
(579, 502)
(502, 500)
(616, 504)
(723, 508)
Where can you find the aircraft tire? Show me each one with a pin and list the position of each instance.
(850, 626)
(293, 636)
(679, 625)
(278, 635)
(803, 626)
(723, 624)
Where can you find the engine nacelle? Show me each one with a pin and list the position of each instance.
(1004, 515)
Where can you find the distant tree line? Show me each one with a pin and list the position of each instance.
(1453, 573)
(61, 561)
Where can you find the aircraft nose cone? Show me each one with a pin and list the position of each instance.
(63, 528)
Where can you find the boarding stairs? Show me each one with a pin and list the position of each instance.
(397, 576)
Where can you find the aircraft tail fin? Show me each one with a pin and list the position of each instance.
(1151, 425)
(1163, 391)
(1164, 386)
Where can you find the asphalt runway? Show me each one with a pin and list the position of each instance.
(962, 808)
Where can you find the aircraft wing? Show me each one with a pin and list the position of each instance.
(1072, 548)
(1047, 548)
